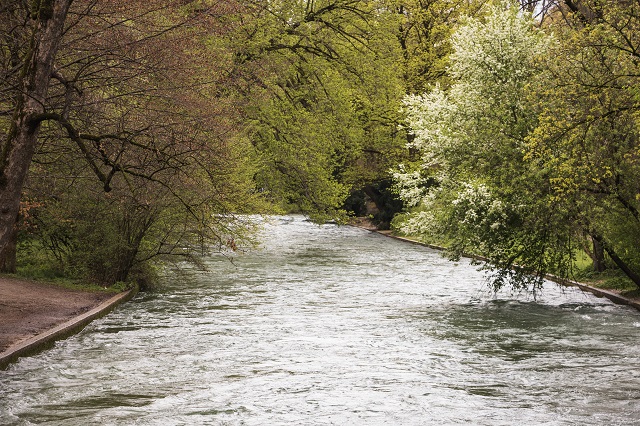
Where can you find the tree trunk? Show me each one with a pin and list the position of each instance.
(598, 256)
(8, 254)
(633, 275)
(20, 143)
(374, 206)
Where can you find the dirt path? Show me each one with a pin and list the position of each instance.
(28, 308)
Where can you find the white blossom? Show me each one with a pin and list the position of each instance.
(474, 119)
(409, 186)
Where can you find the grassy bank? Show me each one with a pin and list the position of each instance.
(45, 276)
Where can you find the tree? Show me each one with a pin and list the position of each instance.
(44, 34)
(326, 86)
(423, 31)
(535, 143)
(484, 196)
(136, 141)
(588, 137)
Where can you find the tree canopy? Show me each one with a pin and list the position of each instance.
(532, 149)
(130, 149)
(138, 132)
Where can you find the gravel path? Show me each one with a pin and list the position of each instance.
(28, 308)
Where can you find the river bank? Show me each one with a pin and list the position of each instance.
(611, 294)
(34, 314)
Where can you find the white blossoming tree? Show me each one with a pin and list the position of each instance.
(471, 136)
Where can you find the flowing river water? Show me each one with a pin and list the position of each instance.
(330, 325)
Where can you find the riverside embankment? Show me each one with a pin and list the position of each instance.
(613, 295)
(33, 315)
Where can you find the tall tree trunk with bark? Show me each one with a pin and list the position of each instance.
(624, 267)
(19, 145)
(598, 256)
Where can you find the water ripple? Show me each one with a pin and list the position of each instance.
(329, 325)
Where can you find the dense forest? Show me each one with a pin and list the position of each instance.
(138, 133)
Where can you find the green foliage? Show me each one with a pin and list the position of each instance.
(612, 279)
(534, 145)
(324, 86)
(523, 146)
(487, 200)
(424, 31)
(587, 140)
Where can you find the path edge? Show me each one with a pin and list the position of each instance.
(44, 340)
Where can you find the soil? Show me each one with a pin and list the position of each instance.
(28, 308)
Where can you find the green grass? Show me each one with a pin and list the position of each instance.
(65, 282)
(44, 273)
(35, 263)
(611, 279)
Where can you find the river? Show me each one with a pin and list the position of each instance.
(331, 325)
